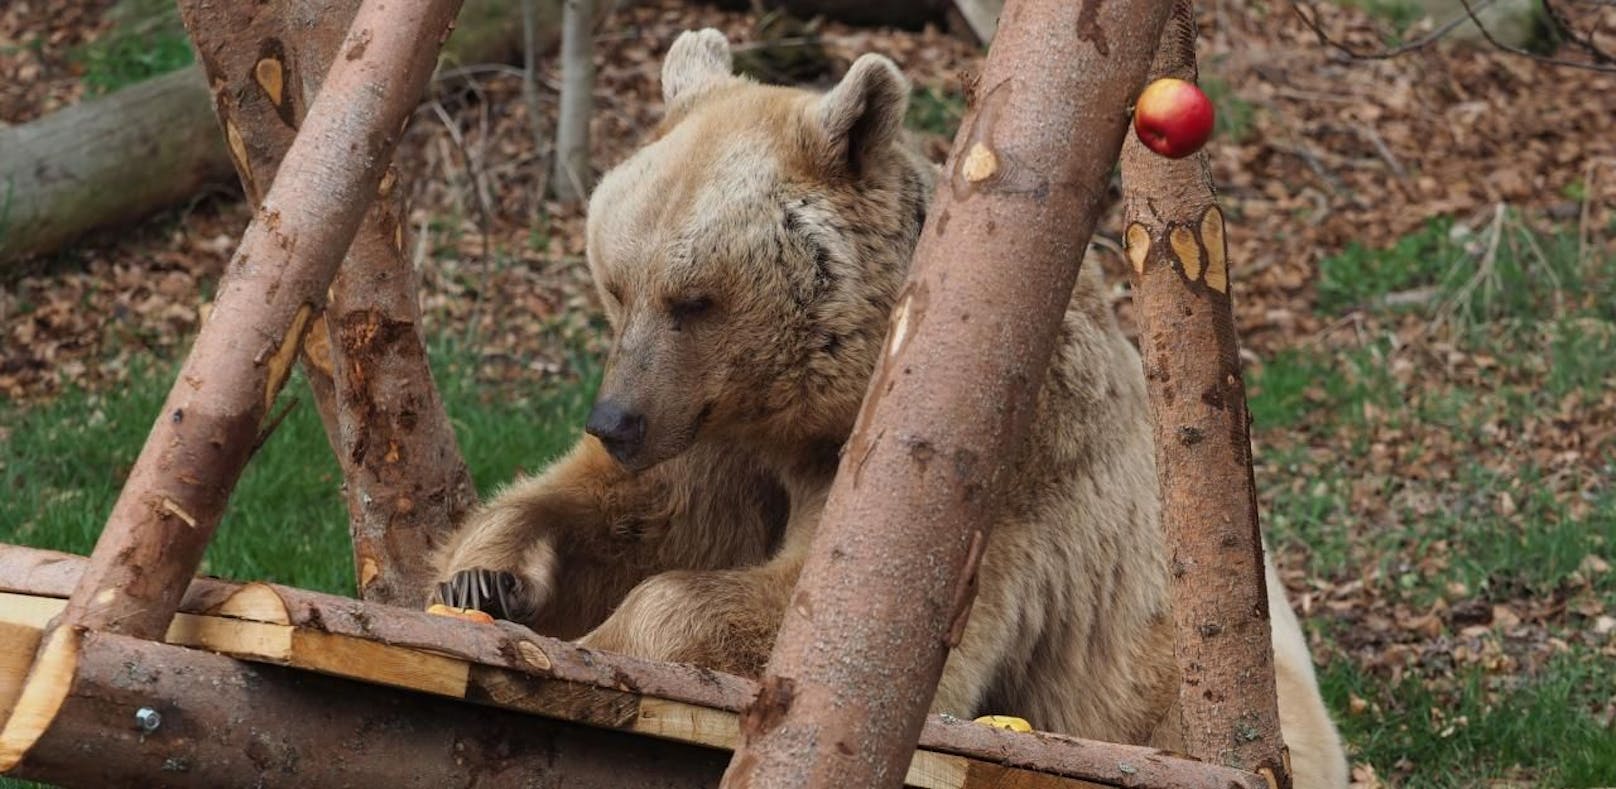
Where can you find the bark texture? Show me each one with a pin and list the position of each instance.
(115, 159)
(514, 668)
(277, 281)
(573, 179)
(222, 722)
(890, 578)
(366, 359)
(1180, 271)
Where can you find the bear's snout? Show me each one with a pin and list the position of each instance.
(622, 431)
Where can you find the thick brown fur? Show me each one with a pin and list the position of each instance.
(748, 258)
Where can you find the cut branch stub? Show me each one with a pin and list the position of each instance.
(1196, 250)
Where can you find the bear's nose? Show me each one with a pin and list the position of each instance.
(621, 430)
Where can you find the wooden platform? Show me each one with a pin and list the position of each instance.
(690, 713)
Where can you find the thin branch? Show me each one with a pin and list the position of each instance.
(1312, 23)
(1576, 38)
(484, 218)
(1487, 34)
(1606, 64)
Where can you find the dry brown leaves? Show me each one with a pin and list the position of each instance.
(37, 38)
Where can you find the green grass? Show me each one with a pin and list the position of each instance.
(126, 56)
(935, 111)
(1498, 725)
(63, 462)
(1531, 303)
(1233, 117)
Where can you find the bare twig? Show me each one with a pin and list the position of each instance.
(484, 218)
(1486, 270)
(1470, 10)
(1604, 61)
(1368, 133)
(1575, 37)
(1447, 27)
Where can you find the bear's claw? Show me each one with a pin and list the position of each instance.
(495, 592)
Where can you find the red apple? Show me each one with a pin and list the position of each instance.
(1173, 117)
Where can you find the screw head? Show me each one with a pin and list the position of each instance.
(148, 719)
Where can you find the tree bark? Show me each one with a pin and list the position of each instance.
(176, 492)
(222, 722)
(365, 357)
(572, 178)
(112, 160)
(892, 568)
(1180, 271)
(573, 683)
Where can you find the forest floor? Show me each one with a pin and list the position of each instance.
(1424, 255)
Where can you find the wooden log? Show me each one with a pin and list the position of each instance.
(106, 161)
(115, 159)
(972, 334)
(505, 665)
(1181, 273)
(136, 712)
(277, 281)
(365, 356)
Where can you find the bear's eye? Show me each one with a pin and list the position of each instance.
(686, 308)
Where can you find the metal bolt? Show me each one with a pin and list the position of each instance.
(148, 719)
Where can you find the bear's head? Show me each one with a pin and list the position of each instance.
(748, 257)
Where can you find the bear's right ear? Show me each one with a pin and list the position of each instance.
(864, 113)
(698, 60)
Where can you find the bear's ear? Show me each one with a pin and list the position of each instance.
(698, 60)
(864, 112)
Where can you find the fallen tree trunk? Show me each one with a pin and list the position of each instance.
(1022, 186)
(365, 356)
(505, 665)
(136, 712)
(176, 492)
(108, 161)
(1176, 243)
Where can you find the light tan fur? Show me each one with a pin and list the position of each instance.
(748, 258)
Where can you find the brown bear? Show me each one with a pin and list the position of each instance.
(748, 257)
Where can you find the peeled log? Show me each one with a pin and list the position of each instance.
(1181, 273)
(115, 159)
(973, 331)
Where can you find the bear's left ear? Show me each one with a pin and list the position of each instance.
(698, 60)
(864, 112)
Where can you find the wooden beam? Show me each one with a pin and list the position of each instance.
(507, 666)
